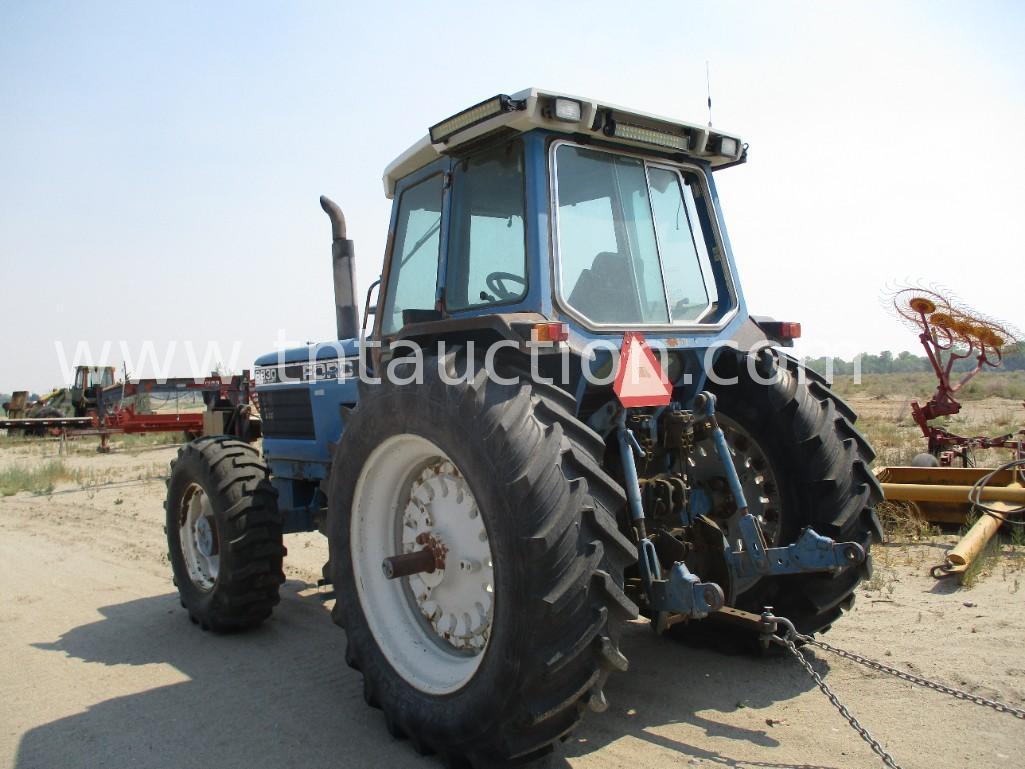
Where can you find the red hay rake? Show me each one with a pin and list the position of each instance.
(951, 332)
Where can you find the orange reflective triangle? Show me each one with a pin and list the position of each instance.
(640, 381)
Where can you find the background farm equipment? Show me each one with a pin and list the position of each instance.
(60, 409)
(97, 405)
(959, 343)
(952, 335)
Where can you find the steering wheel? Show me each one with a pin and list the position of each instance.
(496, 284)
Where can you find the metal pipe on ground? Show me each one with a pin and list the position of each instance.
(965, 552)
(974, 541)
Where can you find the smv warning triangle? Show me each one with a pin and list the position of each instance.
(640, 381)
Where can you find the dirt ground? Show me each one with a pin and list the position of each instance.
(101, 667)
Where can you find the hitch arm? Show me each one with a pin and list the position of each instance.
(812, 552)
(683, 592)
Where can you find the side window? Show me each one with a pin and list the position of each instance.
(487, 261)
(413, 277)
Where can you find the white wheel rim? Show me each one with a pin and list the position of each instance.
(197, 534)
(433, 628)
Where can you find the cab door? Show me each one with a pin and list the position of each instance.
(417, 238)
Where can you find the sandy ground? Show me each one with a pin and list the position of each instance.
(100, 667)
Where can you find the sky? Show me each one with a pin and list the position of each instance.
(160, 164)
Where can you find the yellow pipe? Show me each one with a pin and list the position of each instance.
(921, 492)
(973, 542)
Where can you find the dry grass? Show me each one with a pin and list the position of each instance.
(991, 406)
(87, 445)
(40, 479)
(903, 523)
(895, 438)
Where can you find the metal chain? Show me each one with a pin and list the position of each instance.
(789, 635)
(873, 743)
(904, 675)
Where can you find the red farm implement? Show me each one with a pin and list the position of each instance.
(959, 343)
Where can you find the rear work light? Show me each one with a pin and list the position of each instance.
(568, 110)
(443, 131)
(728, 146)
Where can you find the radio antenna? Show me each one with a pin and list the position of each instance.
(708, 91)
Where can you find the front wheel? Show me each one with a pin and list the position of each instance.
(489, 647)
(224, 534)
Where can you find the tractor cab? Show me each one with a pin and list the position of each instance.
(546, 217)
(535, 217)
(89, 381)
(564, 209)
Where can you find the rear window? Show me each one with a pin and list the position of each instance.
(632, 249)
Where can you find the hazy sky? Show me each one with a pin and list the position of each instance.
(160, 163)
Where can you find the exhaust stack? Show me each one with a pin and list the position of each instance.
(344, 266)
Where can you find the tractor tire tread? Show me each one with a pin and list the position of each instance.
(250, 524)
(567, 508)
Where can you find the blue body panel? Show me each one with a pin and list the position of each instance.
(298, 465)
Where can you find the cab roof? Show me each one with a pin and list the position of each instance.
(537, 108)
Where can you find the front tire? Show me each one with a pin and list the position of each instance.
(224, 534)
(548, 513)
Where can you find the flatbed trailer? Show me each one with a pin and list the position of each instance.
(223, 397)
(28, 423)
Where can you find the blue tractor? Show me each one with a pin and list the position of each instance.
(497, 499)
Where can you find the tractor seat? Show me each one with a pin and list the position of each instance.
(604, 292)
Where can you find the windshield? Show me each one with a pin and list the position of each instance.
(631, 246)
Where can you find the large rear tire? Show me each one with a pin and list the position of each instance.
(543, 642)
(820, 463)
(224, 534)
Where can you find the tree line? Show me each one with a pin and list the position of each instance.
(905, 363)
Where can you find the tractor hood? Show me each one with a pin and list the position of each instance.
(341, 348)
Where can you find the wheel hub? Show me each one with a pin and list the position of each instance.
(197, 535)
(205, 541)
(456, 599)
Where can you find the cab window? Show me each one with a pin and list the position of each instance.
(413, 277)
(632, 249)
(487, 261)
